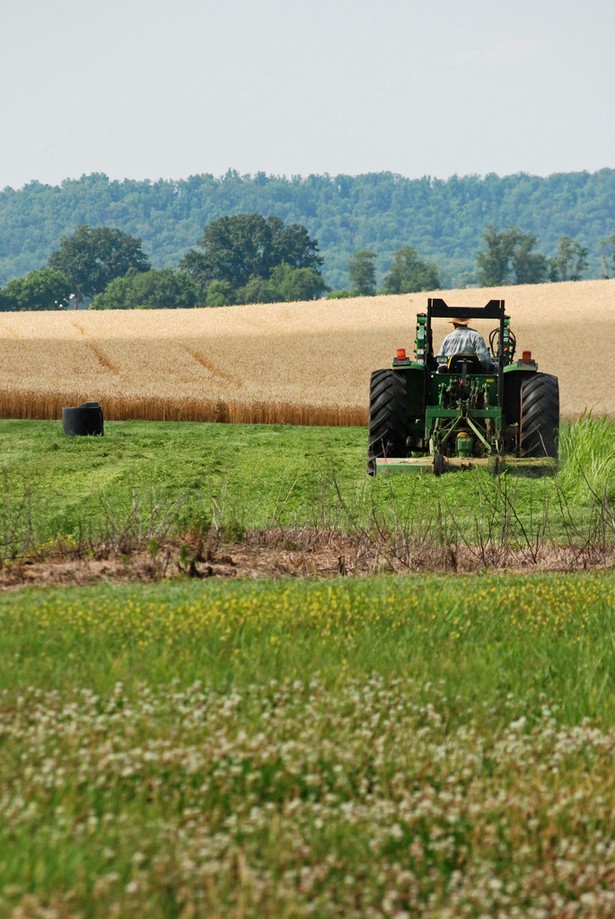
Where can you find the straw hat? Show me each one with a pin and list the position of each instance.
(458, 320)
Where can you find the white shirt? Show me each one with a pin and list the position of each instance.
(463, 340)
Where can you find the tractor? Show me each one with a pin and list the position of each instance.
(429, 418)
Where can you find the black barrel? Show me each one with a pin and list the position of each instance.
(85, 419)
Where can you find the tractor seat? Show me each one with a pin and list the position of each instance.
(472, 364)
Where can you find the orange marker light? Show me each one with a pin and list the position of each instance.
(401, 354)
(526, 356)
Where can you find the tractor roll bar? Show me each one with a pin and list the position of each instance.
(436, 307)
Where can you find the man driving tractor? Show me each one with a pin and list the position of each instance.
(456, 410)
(463, 340)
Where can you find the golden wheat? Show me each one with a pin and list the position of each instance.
(297, 363)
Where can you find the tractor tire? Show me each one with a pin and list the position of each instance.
(83, 420)
(389, 420)
(539, 416)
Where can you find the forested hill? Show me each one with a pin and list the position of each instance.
(442, 219)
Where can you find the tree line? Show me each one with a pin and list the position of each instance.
(510, 257)
(507, 257)
(443, 220)
(248, 258)
(245, 258)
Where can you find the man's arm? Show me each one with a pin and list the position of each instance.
(482, 352)
(442, 356)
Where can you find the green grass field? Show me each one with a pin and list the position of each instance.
(158, 478)
(437, 746)
(433, 745)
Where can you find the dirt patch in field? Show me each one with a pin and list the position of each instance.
(295, 554)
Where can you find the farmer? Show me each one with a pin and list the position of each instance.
(463, 340)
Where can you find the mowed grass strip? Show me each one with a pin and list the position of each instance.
(377, 747)
(147, 481)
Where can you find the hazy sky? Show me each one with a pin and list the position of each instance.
(171, 88)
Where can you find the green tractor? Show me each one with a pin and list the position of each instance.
(429, 418)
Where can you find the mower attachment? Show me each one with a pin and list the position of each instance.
(437, 465)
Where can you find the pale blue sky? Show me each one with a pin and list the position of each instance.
(169, 88)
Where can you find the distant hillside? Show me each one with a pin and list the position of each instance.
(442, 219)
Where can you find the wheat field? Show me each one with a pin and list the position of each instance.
(296, 363)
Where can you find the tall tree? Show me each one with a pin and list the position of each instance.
(508, 258)
(362, 273)
(528, 267)
(241, 247)
(410, 273)
(570, 260)
(94, 256)
(607, 255)
(494, 261)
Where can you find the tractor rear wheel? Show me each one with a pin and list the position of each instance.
(539, 416)
(389, 419)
